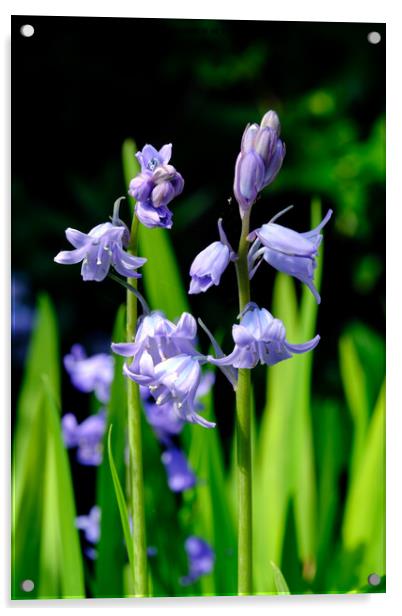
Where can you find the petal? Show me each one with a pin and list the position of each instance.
(304, 347)
(186, 326)
(320, 226)
(165, 153)
(286, 240)
(76, 238)
(126, 349)
(70, 257)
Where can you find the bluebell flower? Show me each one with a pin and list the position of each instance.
(260, 338)
(201, 559)
(287, 251)
(164, 359)
(90, 374)
(100, 249)
(179, 474)
(90, 524)
(164, 418)
(209, 265)
(155, 186)
(260, 159)
(86, 436)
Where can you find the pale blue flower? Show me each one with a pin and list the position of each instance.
(287, 251)
(209, 265)
(90, 524)
(179, 474)
(260, 338)
(86, 436)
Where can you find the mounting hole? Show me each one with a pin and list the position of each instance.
(27, 585)
(27, 30)
(374, 579)
(374, 38)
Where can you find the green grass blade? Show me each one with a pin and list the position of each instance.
(109, 580)
(273, 480)
(363, 528)
(121, 501)
(280, 582)
(161, 275)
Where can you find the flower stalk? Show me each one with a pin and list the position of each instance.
(243, 433)
(136, 495)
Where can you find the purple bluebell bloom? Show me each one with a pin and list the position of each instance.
(155, 186)
(100, 249)
(260, 338)
(86, 436)
(260, 159)
(90, 374)
(287, 251)
(201, 559)
(179, 474)
(90, 524)
(164, 359)
(209, 265)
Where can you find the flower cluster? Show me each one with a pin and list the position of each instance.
(164, 359)
(260, 159)
(155, 186)
(90, 525)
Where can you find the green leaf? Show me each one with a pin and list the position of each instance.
(109, 580)
(363, 528)
(161, 275)
(45, 542)
(280, 582)
(121, 501)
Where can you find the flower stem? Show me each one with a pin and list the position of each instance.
(243, 434)
(135, 445)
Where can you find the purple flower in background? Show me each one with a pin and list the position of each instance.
(201, 559)
(90, 374)
(209, 265)
(260, 159)
(86, 436)
(90, 524)
(155, 187)
(100, 249)
(260, 338)
(179, 474)
(287, 251)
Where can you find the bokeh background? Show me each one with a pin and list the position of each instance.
(80, 87)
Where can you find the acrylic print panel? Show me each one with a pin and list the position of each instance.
(189, 419)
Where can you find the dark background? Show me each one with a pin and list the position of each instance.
(80, 86)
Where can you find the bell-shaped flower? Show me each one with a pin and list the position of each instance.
(209, 265)
(260, 338)
(100, 249)
(201, 559)
(287, 251)
(260, 159)
(155, 186)
(90, 524)
(86, 436)
(90, 374)
(180, 477)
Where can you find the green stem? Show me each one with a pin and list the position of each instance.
(243, 434)
(135, 445)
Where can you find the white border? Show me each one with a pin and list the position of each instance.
(308, 10)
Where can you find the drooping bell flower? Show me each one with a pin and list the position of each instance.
(90, 374)
(179, 474)
(155, 186)
(100, 249)
(260, 338)
(201, 559)
(260, 159)
(287, 251)
(209, 265)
